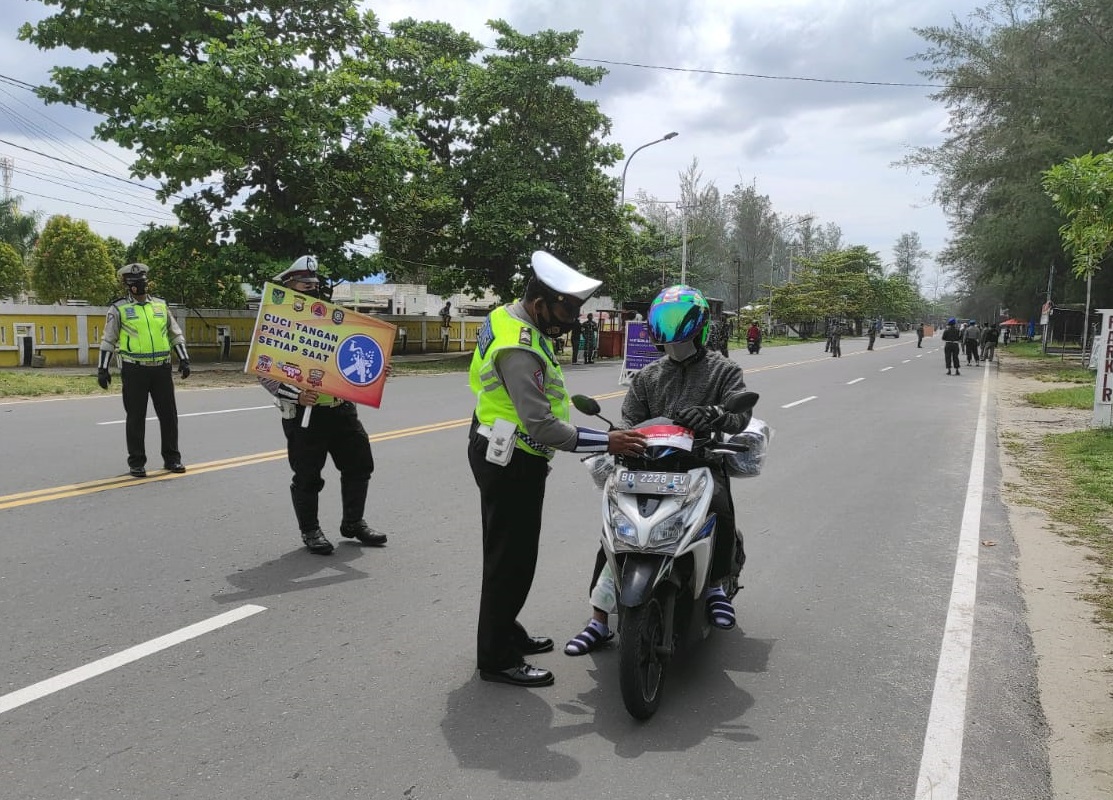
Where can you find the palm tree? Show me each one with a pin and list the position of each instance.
(18, 229)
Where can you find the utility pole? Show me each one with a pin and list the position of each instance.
(7, 166)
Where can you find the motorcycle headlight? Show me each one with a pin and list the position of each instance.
(623, 528)
(667, 531)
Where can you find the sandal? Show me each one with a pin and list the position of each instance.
(590, 639)
(720, 612)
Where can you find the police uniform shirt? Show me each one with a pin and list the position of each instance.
(111, 335)
(517, 369)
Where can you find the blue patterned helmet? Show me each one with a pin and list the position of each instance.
(679, 314)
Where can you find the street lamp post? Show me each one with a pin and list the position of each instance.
(622, 195)
(665, 138)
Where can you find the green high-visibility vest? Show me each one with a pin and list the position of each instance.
(501, 331)
(144, 331)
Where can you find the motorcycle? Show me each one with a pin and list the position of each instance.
(657, 538)
(754, 345)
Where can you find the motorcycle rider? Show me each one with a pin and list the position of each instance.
(687, 385)
(753, 337)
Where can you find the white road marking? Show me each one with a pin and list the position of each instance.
(907, 360)
(885, 369)
(74, 676)
(941, 764)
(856, 380)
(196, 414)
(800, 402)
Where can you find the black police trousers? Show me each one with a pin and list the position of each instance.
(950, 354)
(157, 382)
(332, 431)
(510, 500)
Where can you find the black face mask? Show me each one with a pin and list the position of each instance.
(551, 326)
(137, 287)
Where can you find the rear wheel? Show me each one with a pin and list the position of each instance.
(642, 659)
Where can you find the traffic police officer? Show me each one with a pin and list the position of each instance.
(521, 419)
(333, 430)
(142, 329)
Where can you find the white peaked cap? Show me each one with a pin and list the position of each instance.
(561, 278)
(132, 270)
(305, 269)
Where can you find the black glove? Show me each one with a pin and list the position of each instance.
(183, 367)
(699, 419)
(103, 377)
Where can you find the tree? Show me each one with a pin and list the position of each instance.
(1082, 190)
(908, 255)
(17, 229)
(261, 112)
(516, 160)
(1028, 84)
(183, 274)
(13, 275)
(70, 262)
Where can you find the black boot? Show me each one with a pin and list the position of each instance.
(305, 509)
(353, 497)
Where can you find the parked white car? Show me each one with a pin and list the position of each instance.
(889, 329)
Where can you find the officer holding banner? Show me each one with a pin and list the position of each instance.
(521, 419)
(333, 429)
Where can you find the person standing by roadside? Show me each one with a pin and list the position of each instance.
(872, 334)
(836, 340)
(951, 337)
(333, 430)
(446, 325)
(989, 341)
(521, 419)
(574, 334)
(920, 335)
(143, 331)
(972, 339)
(590, 329)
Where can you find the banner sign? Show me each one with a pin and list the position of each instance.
(313, 344)
(1103, 385)
(638, 350)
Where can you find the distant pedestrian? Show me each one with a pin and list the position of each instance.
(590, 329)
(971, 339)
(951, 337)
(920, 335)
(446, 325)
(836, 341)
(1007, 335)
(576, 335)
(872, 335)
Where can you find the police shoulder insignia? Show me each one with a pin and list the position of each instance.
(525, 336)
(539, 378)
(484, 338)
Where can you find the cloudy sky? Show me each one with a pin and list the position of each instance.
(817, 134)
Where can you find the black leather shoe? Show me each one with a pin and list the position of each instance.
(362, 532)
(176, 467)
(137, 472)
(521, 675)
(534, 645)
(316, 542)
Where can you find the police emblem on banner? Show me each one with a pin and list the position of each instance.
(277, 296)
(337, 316)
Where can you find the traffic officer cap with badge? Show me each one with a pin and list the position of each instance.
(558, 285)
(134, 276)
(303, 270)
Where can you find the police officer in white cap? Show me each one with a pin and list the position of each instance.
(144, 331)
(521, 419)
(334, 429)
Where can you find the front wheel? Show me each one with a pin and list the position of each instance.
(643, 659)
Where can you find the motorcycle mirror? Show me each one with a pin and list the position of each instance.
(586, 405)
(738, 403)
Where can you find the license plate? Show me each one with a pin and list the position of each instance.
(636, 482)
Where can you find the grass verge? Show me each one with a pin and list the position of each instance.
(1075, 485)
(37, 384)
